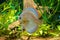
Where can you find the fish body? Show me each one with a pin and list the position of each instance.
(29, 20)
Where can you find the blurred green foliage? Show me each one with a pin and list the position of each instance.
(51, 17)
(9, 12)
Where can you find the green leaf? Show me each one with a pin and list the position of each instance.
(58, 27)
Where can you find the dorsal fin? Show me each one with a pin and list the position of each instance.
(29, 3)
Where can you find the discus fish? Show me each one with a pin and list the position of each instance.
(29, 20)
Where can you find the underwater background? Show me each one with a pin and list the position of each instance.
(11, 9)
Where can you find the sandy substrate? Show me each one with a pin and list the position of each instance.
(40, 38)
(32, 38)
